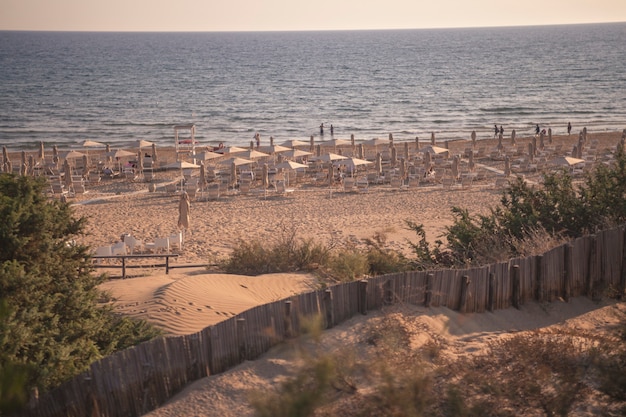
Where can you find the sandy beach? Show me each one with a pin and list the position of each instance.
(189, 299)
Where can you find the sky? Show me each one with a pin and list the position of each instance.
(280, 15)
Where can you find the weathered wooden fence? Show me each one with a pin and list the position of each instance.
(137, 380)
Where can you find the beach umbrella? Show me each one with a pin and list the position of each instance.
(427, 160)
(312, 143)
(471, 161)
(108, 153)
(513, 137)
(379, 163)
(406, 150)
(207, 156)
(23, 167)
(550, 135)
(375, 142)
(251, 154)
(402, 168)
(329, 157)
(55, 155)
(230, 150)
(390, 140)
(31, 165)
(233, 174)
(181, 165)
(184, 210)
(295, 153)
(73, 155)
(541, 141)
(93, 144)
(352, 163)
(331, 174)
(141, 143)
(455, 167)
(394, 156)
(361, 152)
(432, 138)
(154, 153)
(272, 149)
(352, 140)
(435, 150)
(531, 151)
(42, 154)
(500, 146)
(291, 165)
(473, 138)
(85, 166)
(139, 162)
(67, 171)
(417, 143)
(507, 166)
(236, 161)
(120, 153)
(265, 176)
(294, 142)
(202, 177)
(318, 150)
(336, 143)
(567, 161)
(534, 145)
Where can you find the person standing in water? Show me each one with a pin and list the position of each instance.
(322, 129)
(569, 128)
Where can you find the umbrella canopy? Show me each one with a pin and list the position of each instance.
(93, 144)
(230, 150)
(265, 176)
(42, 153)
(207, 155)
(139, 161)
(376, 142)
(432, 138)
(251, 153)
(291, 165)
(433, 150)
(184, 208)
(202, 176)
(295, 153)
(274, 149)
(154, 153)
(294, 142)
(567, 161)
(142, 143)
(182, 165)
(361, 151)
(120, 153)
(379, 163)
(67, 174)
(329, 157)
(473, 138)
(235, 161)
(352, 163)
(336, 142)
(73, 155)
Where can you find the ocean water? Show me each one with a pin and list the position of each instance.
(63, 88)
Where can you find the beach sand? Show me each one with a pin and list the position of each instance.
(188, 300)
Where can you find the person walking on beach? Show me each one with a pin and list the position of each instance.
(569, 128)
(322, 129)
(332, 130)
(496, 130)
(501, 130)
(537, 130)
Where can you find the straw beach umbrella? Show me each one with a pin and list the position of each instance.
(42, 154)
(473, 138)
(154, 154)
(432, 138)
(513, 137)
(184, 210)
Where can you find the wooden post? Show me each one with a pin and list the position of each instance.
(167, 265)
(388, 294)
(329, 314)
(622, 281)
(465, 282)
(123, 267)
(492, 292)
(288, 320)
(241, 338)
(592, 268)
(362, 297)
(568, 274)
(516, 282)
(539, 279)
(428, 295)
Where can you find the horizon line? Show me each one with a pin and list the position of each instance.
(312, 30)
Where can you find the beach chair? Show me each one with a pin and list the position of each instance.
(448, 183)
(466, 182)
(133, 244)
(244, 187)
(119, 248)
(162, 244)
(176, 240)
(349, 185)
(281, 188)
(395, 183)
(213, 191)
(362, 185)
(102, 251)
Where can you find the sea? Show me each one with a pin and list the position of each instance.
(67, 87)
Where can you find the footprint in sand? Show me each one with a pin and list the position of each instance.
(190, 303)
(209, 307)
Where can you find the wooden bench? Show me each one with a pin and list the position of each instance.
(167, 257)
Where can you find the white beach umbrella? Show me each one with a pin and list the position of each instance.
(73, 155)
(566, 161)
(329, 157)
(236, 161)
(252, 154)
(473, 136)
(352, 163)
(376, 142)
(272, 149)
(184, 211)
(294, 142)
(181, 165)
(154, 153)
(435, 150)
(207, 156)
(295, 153)
(42, 153)
(230, 150)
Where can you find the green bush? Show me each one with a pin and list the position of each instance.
(54, 324)
(347, 264)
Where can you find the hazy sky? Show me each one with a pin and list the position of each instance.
(252, 15)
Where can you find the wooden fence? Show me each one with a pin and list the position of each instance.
(139, 379)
